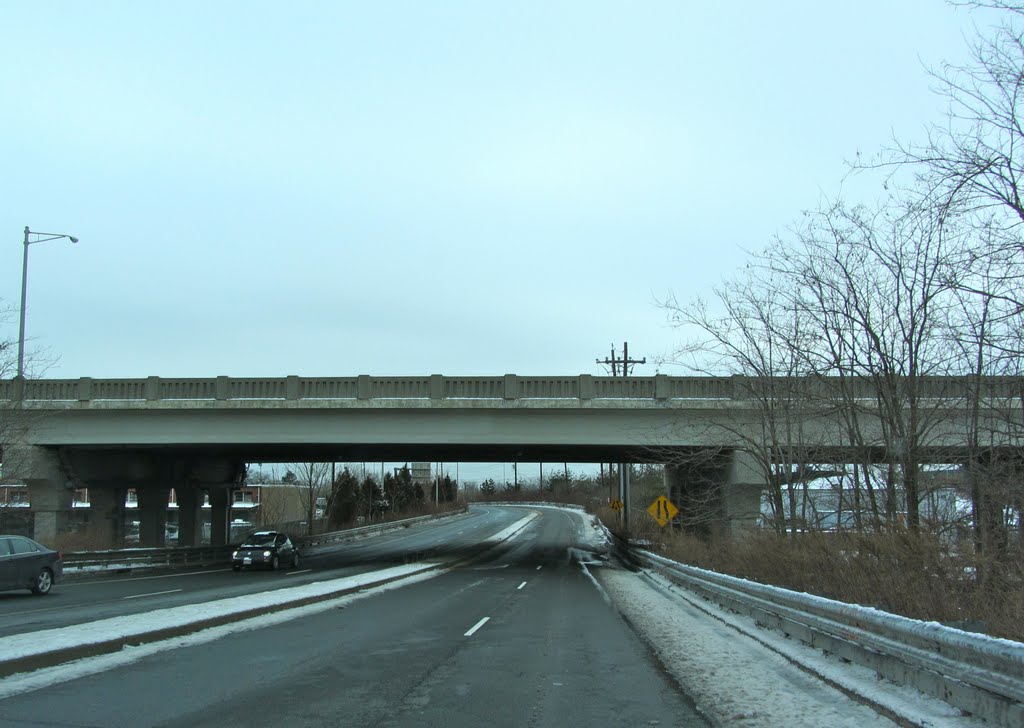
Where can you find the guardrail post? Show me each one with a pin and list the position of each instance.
(291, 387)
(511, 386)
(222, 388)
(364, 387)
(84, 389)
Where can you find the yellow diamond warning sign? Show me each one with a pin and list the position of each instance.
(615, 505)
(662, 510)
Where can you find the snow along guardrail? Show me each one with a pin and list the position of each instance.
(981, 675)
(202, 555)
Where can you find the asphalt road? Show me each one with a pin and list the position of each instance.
(516, 635)
(102, 596)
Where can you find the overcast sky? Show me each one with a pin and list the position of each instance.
(474, 188)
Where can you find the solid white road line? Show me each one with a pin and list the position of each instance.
(152, 594)
(520, 586)
(476, 626)
(89, 582)
(303, 571)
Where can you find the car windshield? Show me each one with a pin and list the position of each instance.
(260, 539)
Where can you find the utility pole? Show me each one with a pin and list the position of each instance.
(625, 365)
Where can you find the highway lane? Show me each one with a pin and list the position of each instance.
(103, 596)
(518, 635)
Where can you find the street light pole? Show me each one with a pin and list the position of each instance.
(40, 238)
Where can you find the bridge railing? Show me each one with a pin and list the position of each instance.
(507, 387)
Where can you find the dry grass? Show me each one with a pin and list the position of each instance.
(914, 575)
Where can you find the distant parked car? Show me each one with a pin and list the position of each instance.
(25, 564)
(265, 549)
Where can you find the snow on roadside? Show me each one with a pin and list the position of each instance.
(593, 535)
(48, 640)
(39, 679)
(738, 680)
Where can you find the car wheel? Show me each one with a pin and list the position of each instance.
(43, 582)
(295, 560)
(274, 564)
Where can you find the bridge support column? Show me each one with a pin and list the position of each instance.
(106, 515)
(153, 515)
(717, 493)
(188, 515)
(220, 509)
(693, 486)
(741, 497)
(50, 490)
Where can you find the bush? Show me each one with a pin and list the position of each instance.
(914, 575)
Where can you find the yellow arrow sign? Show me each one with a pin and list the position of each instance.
(662, 510)
(615, 505)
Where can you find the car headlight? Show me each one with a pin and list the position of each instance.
(234, 554)
(266, 554)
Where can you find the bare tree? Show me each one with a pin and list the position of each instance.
(314, 480)
(969, 169)
(753, 332)
(848, 317)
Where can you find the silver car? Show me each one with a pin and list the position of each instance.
(26, 564)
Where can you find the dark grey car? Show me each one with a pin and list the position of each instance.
(265, 549)
(26, 564)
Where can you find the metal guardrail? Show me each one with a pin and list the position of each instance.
(978, 674)
(133, 558)
(348, 534)
(204, 555)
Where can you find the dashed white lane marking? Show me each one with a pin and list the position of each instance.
(152, 594)
(539, 568)
(303, 571)
(520, 586)
(476, 626)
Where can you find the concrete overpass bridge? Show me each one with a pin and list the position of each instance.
(195, 435)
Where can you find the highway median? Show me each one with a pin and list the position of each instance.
(47, 648)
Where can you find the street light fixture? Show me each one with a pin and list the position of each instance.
(30, 239)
